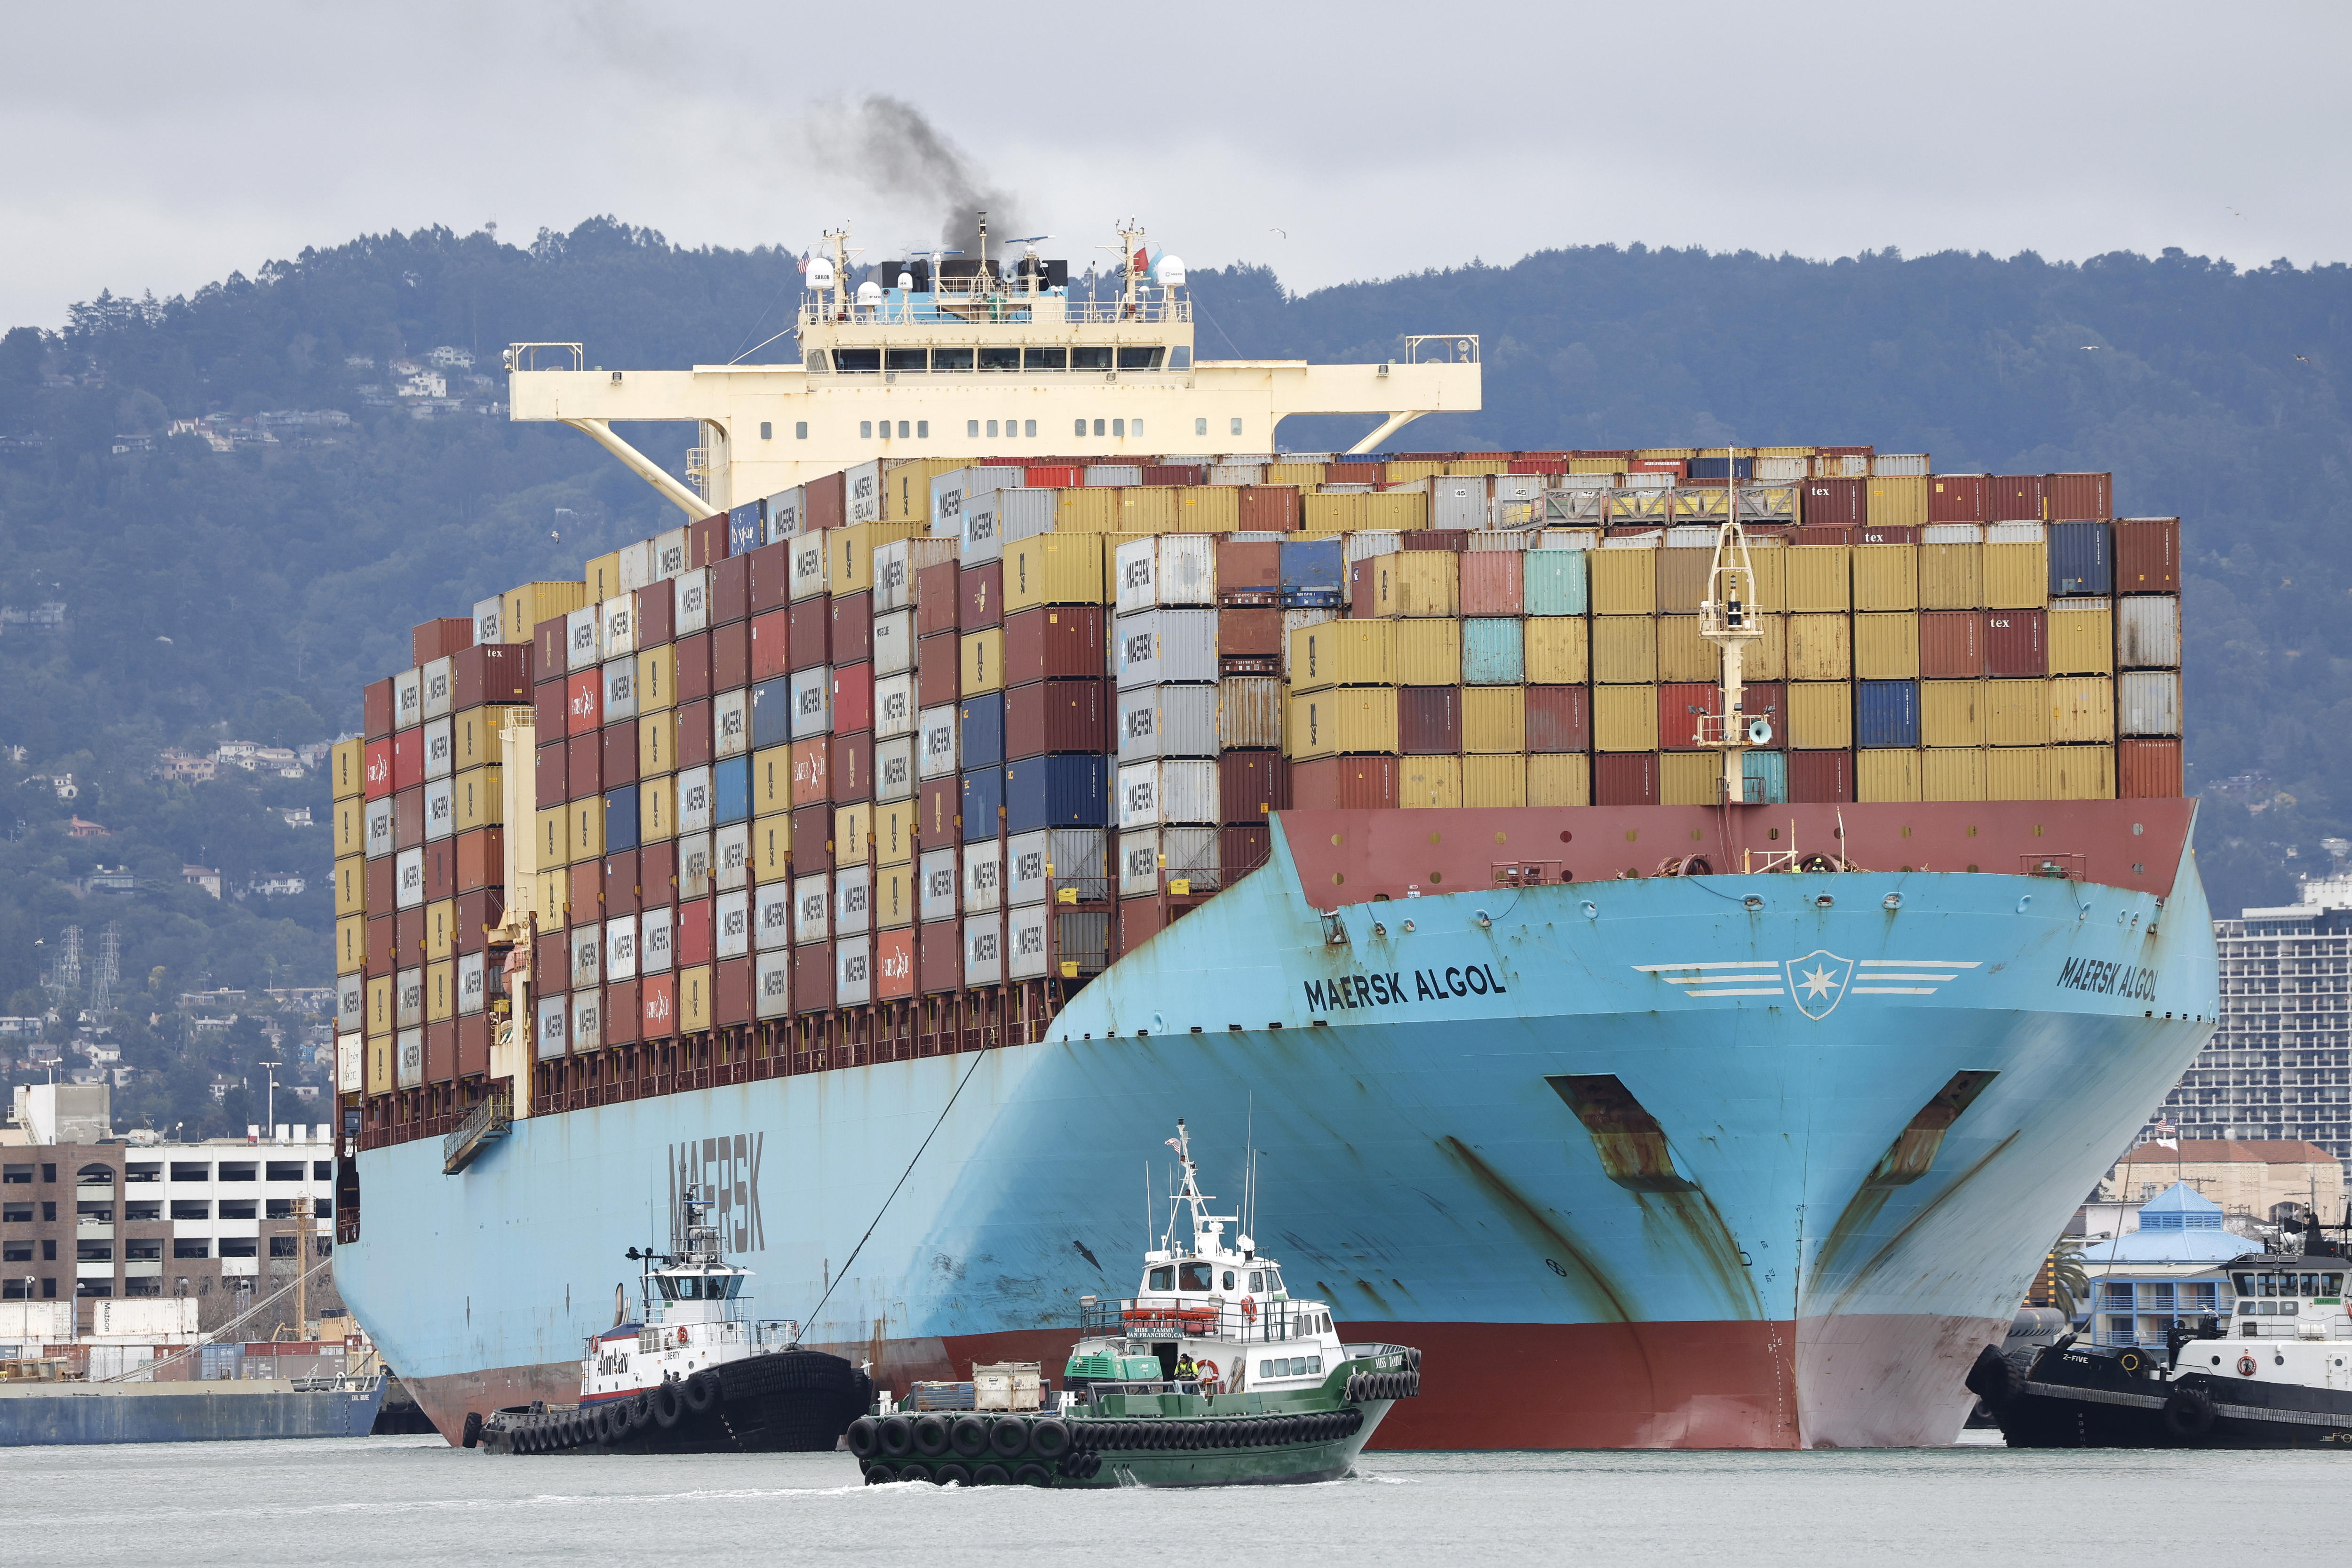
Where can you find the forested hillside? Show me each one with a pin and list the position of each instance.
(240, 579)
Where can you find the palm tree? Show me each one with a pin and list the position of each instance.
(2069, 1286)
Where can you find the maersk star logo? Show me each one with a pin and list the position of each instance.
(1817, 982)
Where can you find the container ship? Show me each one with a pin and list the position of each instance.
(1683, 926)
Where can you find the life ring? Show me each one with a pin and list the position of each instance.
(1249, 1307)
(1210, 1383)
(2129, 1361)
(681, 1333)
(2245, 1366)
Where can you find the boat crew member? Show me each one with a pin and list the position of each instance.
(1186, 1370)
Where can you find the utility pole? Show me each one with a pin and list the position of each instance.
(269, 1127)
(303, 1267)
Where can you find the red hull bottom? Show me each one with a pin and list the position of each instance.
(1852, 1381)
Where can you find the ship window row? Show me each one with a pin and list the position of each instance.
(998, 359)
(865, 427)
(972, 427)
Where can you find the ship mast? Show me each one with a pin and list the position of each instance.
(1728, 619)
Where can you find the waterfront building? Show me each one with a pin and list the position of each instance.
(2169, 1271)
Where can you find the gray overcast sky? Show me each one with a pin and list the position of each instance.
(159, 147)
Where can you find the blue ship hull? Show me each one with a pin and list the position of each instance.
(1851, 1111)
(39, 1415)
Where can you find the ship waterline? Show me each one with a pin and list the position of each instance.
(1618, 1200)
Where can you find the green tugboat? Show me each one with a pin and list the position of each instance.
(1212, 1375)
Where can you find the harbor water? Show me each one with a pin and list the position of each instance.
(388, 1501)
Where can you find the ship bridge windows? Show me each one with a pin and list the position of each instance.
(916, 360)
(1045, 358)
(1087, 356)
(1162, 1280)
(853, 360)
(1141, 358)
(699, 1287)
(994, 357)
(1194, 1277)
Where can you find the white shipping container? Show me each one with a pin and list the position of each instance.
(1249, 711)
(620, 690)
(350, 1064)
(1135, 575)
(690, 601)
(894, 769)
(473, 981)
(669, 554)
(438, 747)
(1024, 514)
(936, 885)
(1237, 473)
(436, 681)
(1568, 539)
(1168, 722)
(379, 827)
(2148, 703)
(1024, 942)
(773, 977)
(1781, 470)
(1690, 536)
(984, 949)
(554, 1028)
(732, 924)
(1517, 487)
(654, 929)
(730, 857)
(1841, 468)
(694, 849)
(853, 900)
(1188, 569)
(1900, 464)
(440, 814)
(1150, 793)
(1501, 538)
(1185, 854)
(894, 706)
(587, 959)
(620, 948)
(1299, 620)
(351, 1003)
(812, 702)
(408, 1049)
(935, 735)
(980, 528)
(2016, 534)
(587, 1021)
(1159, 646)
(894, 565)
(580, 643)
(811, 574)
(772, 912)
(787, 515)
(1355, 487)
(1458, 500)
(894, 642)
(983, 875)
(637, 565)
(813, 908)
(1063, 854)
(1952, 533)
(490, 621)
(947, 502)
(2148, 632)
(852, 972)
(1365, 543)
(730, 722)
(617, 626)
(694, 808)
(1113, 474)
(1646, 481)
(862, 493)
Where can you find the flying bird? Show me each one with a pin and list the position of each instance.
(1283, 232)
(2088, 347)
(2302, 360)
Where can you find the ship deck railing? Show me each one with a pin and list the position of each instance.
(483, 1126)
(1269, 1322)
(1010, 308)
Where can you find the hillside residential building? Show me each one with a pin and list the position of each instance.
(2264, 1181)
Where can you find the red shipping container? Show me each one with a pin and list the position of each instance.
(584, 765)
(1252, 785)
(377, 961)
(479, 910)
(1625, 778)
(551, 962)
(1675, 466)
(939, 598)
(657, 614)
(731, 984)
(1952, 645)
(2015, 498)
(731, 655)
(812, 839)
(813, 977)
(2147, 770)
(691, 941)
(939, 669)
(658, 876)
(693, 667)
(658, 1007)
(1835, 503)
(852, 698)
(1269, 509)
(473, 1045)
(481, 859)
(1821, 778)
(1046, 716)
(583, 896)
(407, 938)
(620, 884)
(853, 628)
(813, 768)
(706, 541)
(407, 759)
(770, 577)
(812, 633)
(1559, 719)
(1621, 456)
(1345, 784)
(1886, 536)
(1539, 465)
(2148, 555)
(494, 672)
(693, 732)
(375, 708)
(1175, 474)
(1448, 540)
(1809, 534)
(620, 752)
(852, 760)
(1053, 476)
(827, 500)
(982, 590)
(441, 1051)
(1767, 699)
(940, 949)
(772, 651)
(1353, 473)
(550, 707)
(1680, 703)
(1959, 498)
(731, 590)
(1428, 721)
(1242, 849)
(1252, 632)
(439, 638)
(1054, 641)
(1491, 582)
(583, 701)
(441, 869)
(894, 965)
(1249, 570)
(379, 886)
(407, 818)
(551, 648)
(622, 1016)
(378, 766)
(939, 813)
(2081, 497)
(2016, 644)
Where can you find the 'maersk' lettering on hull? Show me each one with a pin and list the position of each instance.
(1378, 990)
(727, 1169)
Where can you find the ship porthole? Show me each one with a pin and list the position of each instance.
(1592, 910)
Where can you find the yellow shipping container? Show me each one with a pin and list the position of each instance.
(656, 745)
(657, 808)
(1768, 655)
(1624, 718)
(983, 653)
(1559, 778)
(350, 769)
(1951, 713)
(1495, 719)
(1343, 653)
(2081, 710)
(2081, 772)
(1429, 652)
(1558, 650)
(1683, 653)
(554, 838)
(906, 487)
(1818, 579)
(350, 885)
(1208, 508)
(1951, 576)
(1429, 781)
(894, 896)
(1086, 509)
(1821, 648)
(1479, 466)
(1886, 647)
(440, 991)
(2017, 773)
(1896, 502)
(1347, 719)
(1624, 652)
(2016, 576)
(1412, 583)
(1623, 582)
(1294, 473)
(1411, 470)
(1680, 574)
(1397, 511)
(603, 574)
(657, 679)
(1320, 514)
(1821, 716)
(1887, 576)
(440, 929)
(521, 609)
(853, 825)
(379, 1065)
(1769, 593)
(1886, 775)
(1689, 778)
(382, 1007)
(2080, 637)
(351, 944)
(477, 798)
(1146, 508)
(893, 831)
(694, 999)
(1596, 464)
(2017, 713)
(1494, 781)
(1953, 774)
(1055, 569)
(849, 553)
(1666, 454)
(772, 780)
(583, 825)
(549, 894)
(351, 827)
(772, 847)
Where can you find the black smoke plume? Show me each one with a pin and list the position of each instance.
(888, 144)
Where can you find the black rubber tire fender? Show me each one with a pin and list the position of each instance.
(700, 1393)
(1032, 1474)
(969, 1436)
(2188, 1413)
(896, 1437)
(991, 1476)
(878, 1474)
(666, 1406)
(470, 1435)
(951, 1474)
(930, 1435)
(865, 1436)
(1008, 1438)
(1049, 1439)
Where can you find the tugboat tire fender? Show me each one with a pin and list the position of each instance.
(969, 1436)
(666, 1406)
(930, 1435)
(1032, 1475)
(472, 1435)
(897, 1436)
(991, 1475)
(865, 1436)
(700, 1393)
(951, 1474)
(1050, 1438)
(878, 1474)
(2189, 1413)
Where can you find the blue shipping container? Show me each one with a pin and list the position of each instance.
(1056, 792)
(730, 791)
(1886, 712)
(1765, 774)
(620, 819)
(747, 527)
(771, 712)
(1554, 582)
(981, 723)
(1314, 573)
(1494, 651)
(2080, 560)
(984, 792)
(1721, 467)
